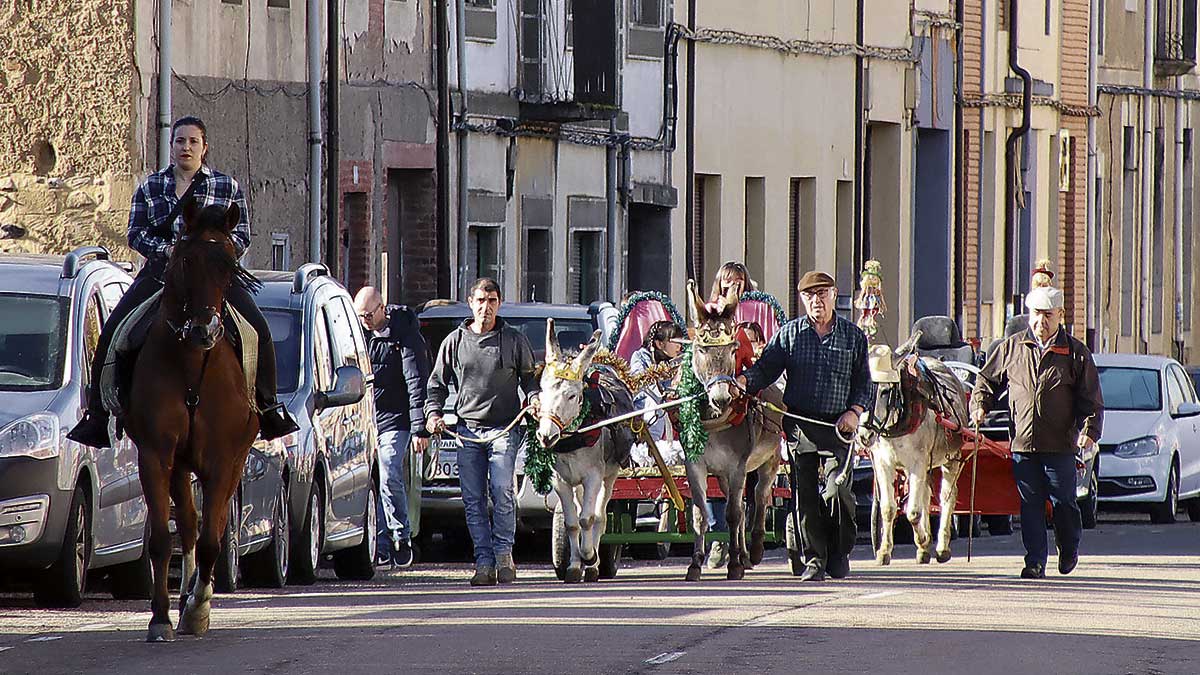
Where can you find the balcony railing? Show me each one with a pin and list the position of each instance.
(1175, 46)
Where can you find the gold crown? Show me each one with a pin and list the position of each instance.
(714, 338)
(564, 371)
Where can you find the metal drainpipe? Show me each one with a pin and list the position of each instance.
(463, 176)
(862, 243)
(983, 170)
(313, 47)
(1092, 288)
(692, 237)
(610, 193)
(1011, 283)
(1147, 174)
(333, 191)
(442, 58)
(164, 84)
(1177, 253)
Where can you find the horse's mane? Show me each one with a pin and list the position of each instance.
(214, 258)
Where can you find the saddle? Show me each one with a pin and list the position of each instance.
(926, 382)
(130, 334)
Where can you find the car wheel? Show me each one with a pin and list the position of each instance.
(560, 547)
(134, 580)
(63, 585)
(358, 563)
(269, 567)
(1089, 507)
(1164, 512)
(998, 525)
(225, 576)
(306, 547)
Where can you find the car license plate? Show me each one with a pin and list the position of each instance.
(446, 461)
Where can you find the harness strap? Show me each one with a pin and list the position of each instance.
(192, 399)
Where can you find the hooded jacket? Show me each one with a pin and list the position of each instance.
(400, 362)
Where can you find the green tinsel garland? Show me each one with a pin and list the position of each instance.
(539, 462)
(632, 302)
(772, 301)
(692, 435)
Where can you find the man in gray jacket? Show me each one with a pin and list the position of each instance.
(487, 360)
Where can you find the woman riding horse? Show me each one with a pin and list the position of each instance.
(155, 222)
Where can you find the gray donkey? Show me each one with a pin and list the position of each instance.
(735, 446)
(585, 465)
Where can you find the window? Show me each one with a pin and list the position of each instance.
(1129, 214)
(322, 363)
(1156, 270)
(281, 254)
(1130, 388)
(1175, 391)
(360, 342)
(91, 333)
(232, 2)
(538, 265)
(280, 4)
(569, 24)
(481, 4)
(1188, 192)
(1100, 23)
(755, 224)
(33, 338)
(345, 352)
(648, 12)
(587, 267)
(111, 293)
(802, 229)
(485, 241)
(285, 333)
(1047, 14)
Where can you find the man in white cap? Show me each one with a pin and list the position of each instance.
(1055, 408)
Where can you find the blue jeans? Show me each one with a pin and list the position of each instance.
(1042, 476)
(393, 493)
(485, 469)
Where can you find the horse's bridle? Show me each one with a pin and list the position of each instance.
(181, 331)
(897, 406)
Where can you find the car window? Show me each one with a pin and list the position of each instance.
(1186, 394)
(322, 365)
(90, 333)
(345, 352)
(1126, 388)
(360, 342)
(33, 341)
(111, 292)
(1174, 392)
(285, 333)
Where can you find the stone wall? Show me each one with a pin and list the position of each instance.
(67, 154)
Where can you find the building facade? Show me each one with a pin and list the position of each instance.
(1148, 90)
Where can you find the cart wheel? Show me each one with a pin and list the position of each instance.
(560, 548)
(610, 560)
(964, 522)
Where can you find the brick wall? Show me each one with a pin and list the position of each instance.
(972, 86)
(1073, 204)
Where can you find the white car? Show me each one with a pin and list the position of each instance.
(1150, 449)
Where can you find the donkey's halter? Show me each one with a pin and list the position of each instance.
(564, 371)
(565, 428)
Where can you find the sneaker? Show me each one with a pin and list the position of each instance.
(485, 575)
(1033, 572)
(718, 555)
(402, 556)
(506, 568)
(383, 559)
(812, 572)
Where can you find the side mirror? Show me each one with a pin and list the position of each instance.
(348, 388)
(1187, 409)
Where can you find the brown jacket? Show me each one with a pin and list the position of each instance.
(1052, 394)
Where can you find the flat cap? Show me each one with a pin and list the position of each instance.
(1044, 298)
(813, 280)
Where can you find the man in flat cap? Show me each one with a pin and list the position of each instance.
(825, 358)
(1055, 409)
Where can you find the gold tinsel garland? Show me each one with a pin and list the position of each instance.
(635, 381)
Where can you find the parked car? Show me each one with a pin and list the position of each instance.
(325, 382)
(441, 497)
(1150, 449)
(65, 509)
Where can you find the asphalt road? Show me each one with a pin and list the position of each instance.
(1132, 606)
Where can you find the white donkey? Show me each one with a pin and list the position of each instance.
(902, 432)
(585, 465)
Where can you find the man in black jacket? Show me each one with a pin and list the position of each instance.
(400, 362)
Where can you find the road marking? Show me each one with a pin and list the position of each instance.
(665, 657)
(48, 638)
(4, 649)
(94, 626)
(881, 594)
(248, 602)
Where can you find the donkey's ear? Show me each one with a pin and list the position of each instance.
(552, 349)
(589, 351)
(699, 313)
(909, 345)
(232, 217)
(189, 210)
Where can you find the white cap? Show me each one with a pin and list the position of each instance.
(1044, 298)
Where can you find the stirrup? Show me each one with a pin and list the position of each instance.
(275, 422)
(92, 430)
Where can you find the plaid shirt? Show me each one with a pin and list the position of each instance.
(825, 375)
(155, 198)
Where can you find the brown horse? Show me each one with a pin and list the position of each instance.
(190, 413)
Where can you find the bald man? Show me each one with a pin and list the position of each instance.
(400, 361)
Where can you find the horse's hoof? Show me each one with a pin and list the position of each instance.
(160, 632)
(943, 556)
(591, 574)
(589, 562)
(573, 575)
(923, 557)
(884, 559)
(693, 573)
(195, 622)
(757, 549)
(735, 573)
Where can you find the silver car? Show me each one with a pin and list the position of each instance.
(65, 509)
